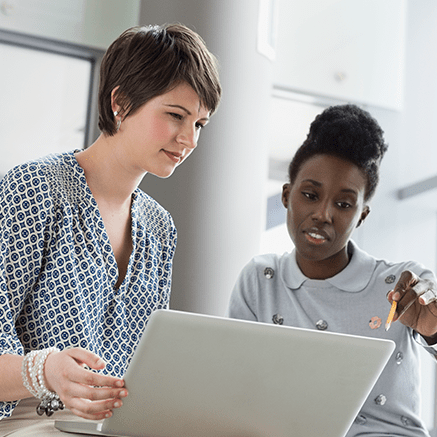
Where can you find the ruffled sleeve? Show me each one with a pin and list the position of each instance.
(25, 216)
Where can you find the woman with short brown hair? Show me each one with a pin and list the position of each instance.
(86, 256)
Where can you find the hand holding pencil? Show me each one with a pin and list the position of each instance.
(414, 304)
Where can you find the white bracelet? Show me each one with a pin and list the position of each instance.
(33, 366)
(24, 375)
(39, 372)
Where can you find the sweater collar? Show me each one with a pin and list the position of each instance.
(353, 278)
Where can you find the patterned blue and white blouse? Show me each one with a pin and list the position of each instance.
(58, 271)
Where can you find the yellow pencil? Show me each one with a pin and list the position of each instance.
(390, 315)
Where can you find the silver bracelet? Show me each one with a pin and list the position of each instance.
(33, 366)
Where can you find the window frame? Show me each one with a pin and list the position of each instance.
(63, 48)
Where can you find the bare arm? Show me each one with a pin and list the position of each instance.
(11, 383)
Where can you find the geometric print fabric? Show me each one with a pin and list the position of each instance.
(58, 271)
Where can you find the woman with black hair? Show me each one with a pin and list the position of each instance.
(329, 283)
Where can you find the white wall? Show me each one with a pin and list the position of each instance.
(94, 23)
(217, 197)
(407, 229)
(344, 49)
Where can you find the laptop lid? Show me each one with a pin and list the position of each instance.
(195, 375)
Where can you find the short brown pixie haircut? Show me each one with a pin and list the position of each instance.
(145, 62)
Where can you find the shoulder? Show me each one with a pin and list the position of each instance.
(393, 269)
(264, 260)
(24, 185)
(265, 265)
(42, 184)
(36, 173)
(256, 285)
(41, 164)
(385, 267)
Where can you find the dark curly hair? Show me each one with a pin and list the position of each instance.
(347, 132)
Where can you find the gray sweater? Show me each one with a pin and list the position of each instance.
(272, 289)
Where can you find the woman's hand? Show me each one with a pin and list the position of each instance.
(85, 393)
(417, 307)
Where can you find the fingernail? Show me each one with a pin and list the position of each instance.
(107, 415)
(123, 393)
(100, 362)
(119, 384)
(117, 404)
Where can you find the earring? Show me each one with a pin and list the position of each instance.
(117, 127)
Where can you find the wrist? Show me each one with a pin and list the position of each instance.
(431, 341)
(32, 372)
(426, 342)
(48, 371)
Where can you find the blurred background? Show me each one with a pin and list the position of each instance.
(281, 63)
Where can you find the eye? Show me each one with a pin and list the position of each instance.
(199, 126)
(344, 205)
(310, 196)
(176, 115)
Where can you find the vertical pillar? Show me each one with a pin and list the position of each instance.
(217, 197)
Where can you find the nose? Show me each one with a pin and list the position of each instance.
(188, 137)
(322, 213)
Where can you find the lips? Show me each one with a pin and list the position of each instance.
(176, 157)
(316, 236)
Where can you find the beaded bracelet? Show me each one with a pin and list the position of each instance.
(29, 357)
(33, 365)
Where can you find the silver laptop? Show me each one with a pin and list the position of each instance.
(204, 376)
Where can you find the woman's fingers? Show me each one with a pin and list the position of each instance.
(64, 367)
(405, 302)
(87, 394)
(408, 289)
(430, 295)
(93, 410)
(99, 393)
(416, 304)
(79, 375)
(84, 357)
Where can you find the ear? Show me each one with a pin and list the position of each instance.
(286, 188)
(114, 105)
(364, 214)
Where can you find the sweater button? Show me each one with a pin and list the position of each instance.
(277, 319)
(380, 400)
(322, 325)
(269, 272)
(390, 279)
(406, 421)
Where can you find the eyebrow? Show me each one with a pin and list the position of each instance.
(185, 110)
(319, 184)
